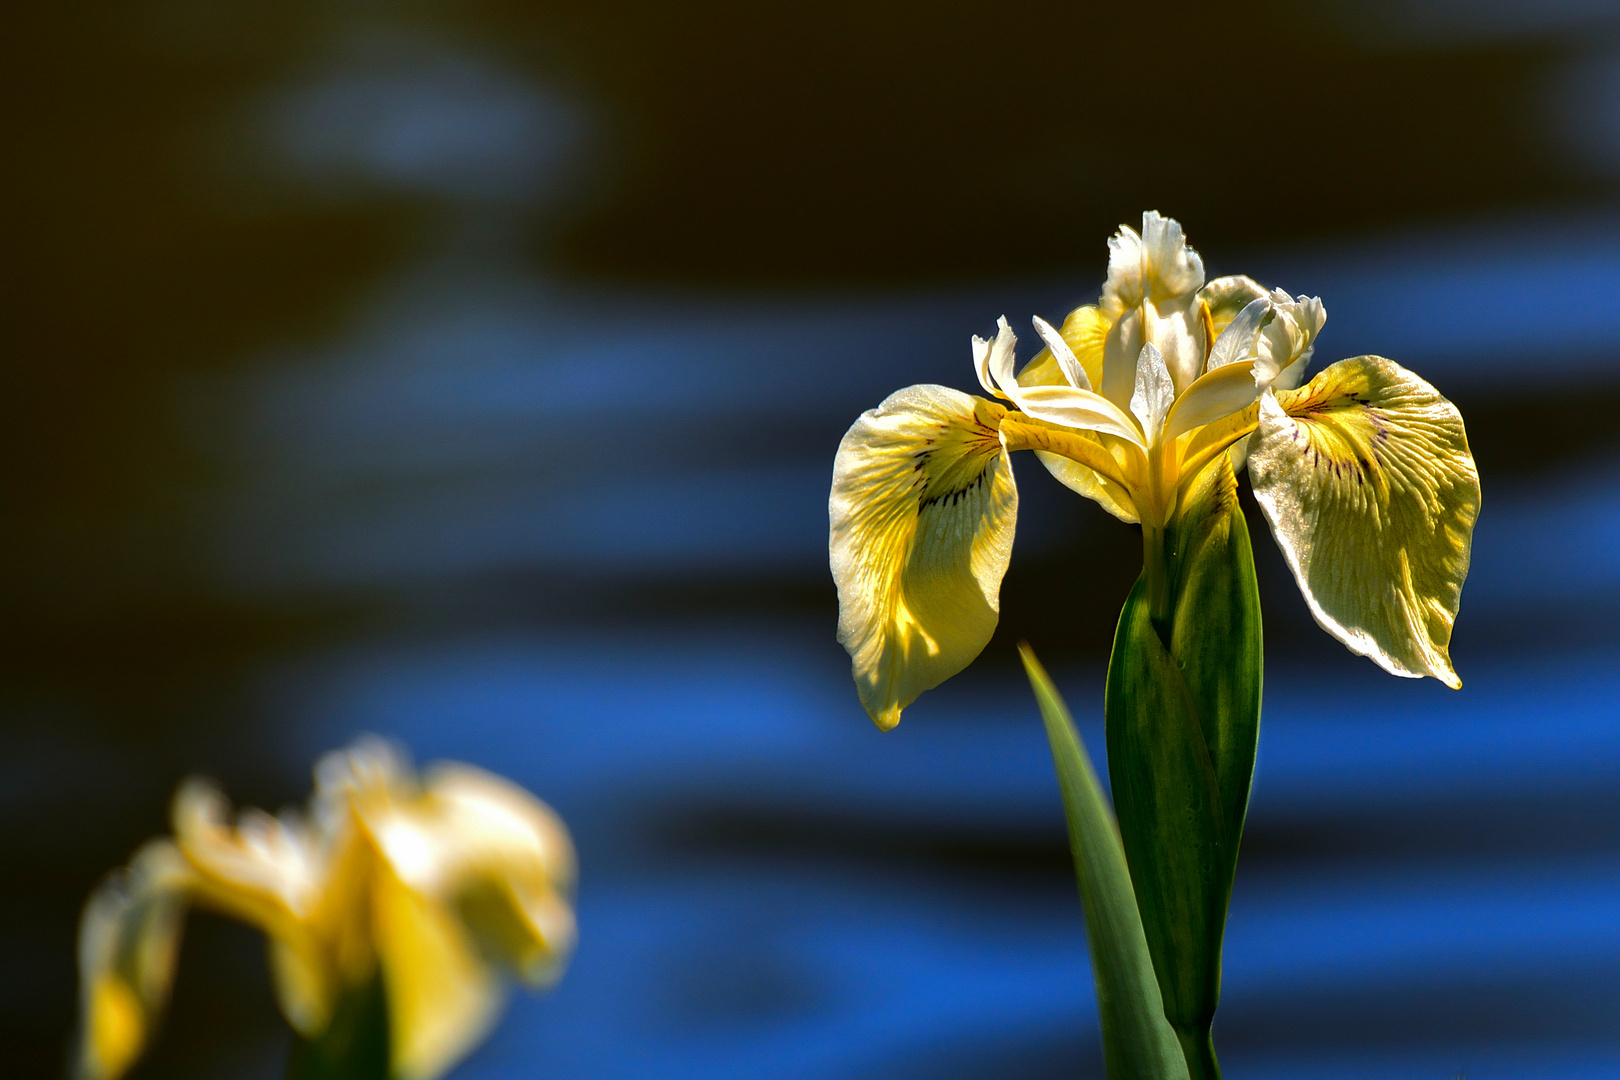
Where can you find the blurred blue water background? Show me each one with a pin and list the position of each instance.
(510, 507)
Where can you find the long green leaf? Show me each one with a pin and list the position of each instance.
(1138, 1043)
(1183, 715)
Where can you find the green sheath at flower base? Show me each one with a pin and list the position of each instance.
(1183, 715)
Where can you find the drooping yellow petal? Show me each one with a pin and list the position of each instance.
(128, 938)
(922, 513)
(1372, 494)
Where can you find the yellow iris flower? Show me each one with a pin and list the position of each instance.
(436, 884)
(1364, 473)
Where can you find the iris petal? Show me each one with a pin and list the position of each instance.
(1084, 331)
(1372, 494)
(1236, 341)
(1227, 296)
(128, 940)
(1154, 392)
(922, 514)
(442, 997)
(1073, 371)
(1221, 392)
(1083, 480)
(1287, 342)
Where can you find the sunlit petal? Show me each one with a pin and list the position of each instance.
(922, 513)
(981, 366)
(1227, 296)
(1083, 480)
(1151, 298)
(1367, 480)
(1002, 354)
(500, 855)
(993, 360)
(1237, 340)
(1223, 391)
(1153, 393)
(1084, 331)
(1287, 342)
(1077, 409)
(1121, 348)
(1073, 371)
(128, 938)
(442, 997)
(1154, 265)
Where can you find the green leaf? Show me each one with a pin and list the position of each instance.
(1183, 720)
(1138, 1043)
(354, 1045)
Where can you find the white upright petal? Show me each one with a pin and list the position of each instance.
(1171, 268)
(1123, 289)
(1067, 362)
(1121, 347)
(994, 360)
(1177, 331)
(1154, 392)
(1155, 265)
(1151, 296)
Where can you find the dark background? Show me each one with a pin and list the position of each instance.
(471, 373)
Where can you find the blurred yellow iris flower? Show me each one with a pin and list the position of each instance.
(1364, 473)
(438, 884)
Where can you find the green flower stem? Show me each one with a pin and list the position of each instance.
(1156, 572)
